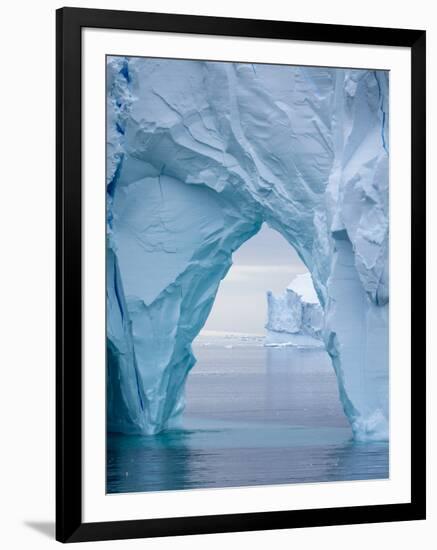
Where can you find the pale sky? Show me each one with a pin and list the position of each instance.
(264, 262)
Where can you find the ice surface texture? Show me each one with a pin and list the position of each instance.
(295, 317)
(199, 155)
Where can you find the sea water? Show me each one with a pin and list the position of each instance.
(254, 416)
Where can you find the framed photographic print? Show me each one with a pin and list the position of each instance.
(241, 274)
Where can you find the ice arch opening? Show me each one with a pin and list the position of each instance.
(264, 263)
(200, 154)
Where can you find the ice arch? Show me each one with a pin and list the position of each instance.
(200, 154)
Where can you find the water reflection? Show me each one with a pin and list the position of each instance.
(155, 463)
(354, 461)
(174, 461)
(255, 416)
(301, 387)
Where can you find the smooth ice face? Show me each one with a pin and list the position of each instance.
(200, 154)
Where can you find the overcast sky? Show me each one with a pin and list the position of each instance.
(264, 262)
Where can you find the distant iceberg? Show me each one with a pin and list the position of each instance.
(295, 317)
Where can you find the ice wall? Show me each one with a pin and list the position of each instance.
(295, 317)
(200, 154)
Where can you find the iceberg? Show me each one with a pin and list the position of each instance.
(200, 155)
(295, 318)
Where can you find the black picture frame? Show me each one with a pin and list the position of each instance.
(69, 24)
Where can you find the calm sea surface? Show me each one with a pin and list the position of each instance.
(254, 416)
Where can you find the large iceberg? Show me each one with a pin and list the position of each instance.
(199, 156)
(295, 317)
